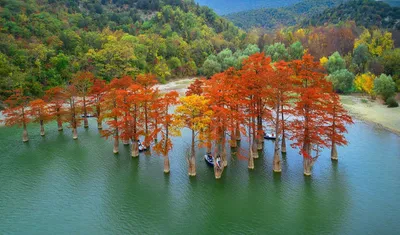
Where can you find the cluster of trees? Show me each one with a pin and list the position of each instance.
(43, 43)
(367, 13)
(353, 56)
(273, 18)
(232, 105)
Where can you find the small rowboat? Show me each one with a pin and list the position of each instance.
(270, 136)
(210, 160)
(88, 115)
(141, 146)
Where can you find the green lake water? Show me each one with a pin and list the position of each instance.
(55, 185)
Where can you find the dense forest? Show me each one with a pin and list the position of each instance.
(230, 6)
(317, 12)
(365, 13)
(43, 43)
(271, 18)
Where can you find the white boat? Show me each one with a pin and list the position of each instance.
(210, 160)
(270, 136)
(141, 146)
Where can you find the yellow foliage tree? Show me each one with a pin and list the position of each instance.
(323, 61)
(193, 113)
(377, 43)
(365, 83)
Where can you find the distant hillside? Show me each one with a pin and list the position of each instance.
(367, 13)
(43, 43)
(394, 3)
(271, 18)
(230, 6)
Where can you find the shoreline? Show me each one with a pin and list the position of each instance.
(372, 112)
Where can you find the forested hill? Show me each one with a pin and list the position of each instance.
(230, 6)
(271, 18)
(367, 13)
(44, 42)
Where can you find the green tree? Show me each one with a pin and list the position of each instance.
(335, 63)
(361, 56)
(296, 51)
(211, 67)
(384, 86)
(277, 52)
(342, 80)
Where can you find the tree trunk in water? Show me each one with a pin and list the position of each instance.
(277, 158)
(283, 147)
(223, 150)
(254, 150)
(251, 160)
(238, 136)
(308, 162)
(99, 124)
(334, 155)
(85, 120)
(233, 141)
(166, 164)
(260, 142)
(192, 159)
(59, 123)
(25, 137)
(135, 148)
(74, 133)
(116, 145)
(217, 170)
(42, 133)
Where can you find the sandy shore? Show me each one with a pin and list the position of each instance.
(373, 111)
(179, 85)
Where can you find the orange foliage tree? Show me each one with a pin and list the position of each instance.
(82, 83)
(40, 113)
(165, 118)
(309, 127)
(149, 95)
(97, 92)
(111, 112)
(337, 119)
(280, 90)
(73, 110)
(16, 112)
(255, 72)
(196, 88)
(55, 98)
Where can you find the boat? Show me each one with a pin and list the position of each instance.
(141, 146)
(210, 160)
(88, 115)
(269, 136)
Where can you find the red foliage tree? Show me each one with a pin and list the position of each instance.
(82, 83)
(73, 110)
(16, 112)
(40, 113)
(196, 88)
(165, 118)
(280, 90)
(111, 111)
(337, 119)
(55, 98)
(149, 95)
(309, 128)
(97, 92)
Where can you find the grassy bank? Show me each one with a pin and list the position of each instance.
(373, 111)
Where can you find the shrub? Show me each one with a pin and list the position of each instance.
(392, 103)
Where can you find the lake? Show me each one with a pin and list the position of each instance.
(55, 185)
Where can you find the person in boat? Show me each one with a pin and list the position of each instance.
(218, 161)
(209, 156)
